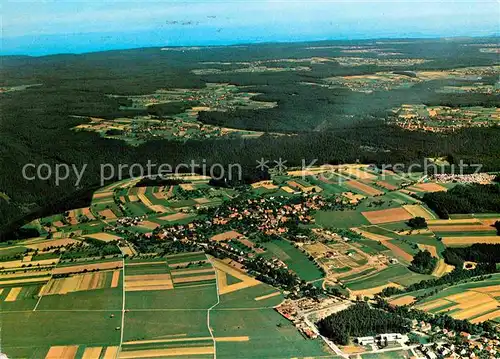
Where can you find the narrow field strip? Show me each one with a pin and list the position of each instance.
(159, 353)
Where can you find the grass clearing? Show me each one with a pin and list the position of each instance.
(294, 258)
(265, 328)
(340, 219)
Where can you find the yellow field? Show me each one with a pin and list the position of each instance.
(357, 172)
(442, 268)
(485, 317)
(476, 302)
(116, 278)
(19, 263)
(14, 292)
(25, 280)
(98, 195)
(202, 200)
(386, 185)
(433, 304)
(458, 241)
(127, 250)
(92, 353)
(110, 353)
(62, 352)
(52, 243)
(148, 282)
(353, 197)
(149, 225)
(271, 295)
(370, 292)
(102, 236)
(363, 187)
(232, 339)
(387, 215)
(174, 217)
(417, 210)
(489, 289)
(108, 214)
(369, 235)
(398, 252)
(222, 268)
(199, 278)
(75, 283)
(404, 300)
(475, 309)
(265, 184)
(326, 168)
(226, 236)
(430, 187)
(460, 228)
(453, 221)
(171, 352)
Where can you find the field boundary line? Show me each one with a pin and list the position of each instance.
(51, 275)
(212, 307)
(123, 310)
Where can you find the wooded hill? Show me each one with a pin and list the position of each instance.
(330, 125)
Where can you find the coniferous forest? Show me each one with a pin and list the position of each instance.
(474, 198)
(360, 320)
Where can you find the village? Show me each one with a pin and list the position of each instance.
(269, 233)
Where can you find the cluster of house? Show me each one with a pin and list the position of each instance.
(482, 178)
(451, 348)
(481, 348)
(469, 348)
(129, 221)
(270, 214)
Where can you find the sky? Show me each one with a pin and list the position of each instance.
(60, 26)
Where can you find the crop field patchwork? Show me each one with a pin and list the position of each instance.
(363, 188)
(62, 334)
(183, 124)
(475, 304)
(167, 306)
(393, 276)
(80, 268)
(475, 301)
(82, 282)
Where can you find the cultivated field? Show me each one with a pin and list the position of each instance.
(473, 302)
(387, 215)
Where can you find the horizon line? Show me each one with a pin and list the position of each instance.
(249, 43)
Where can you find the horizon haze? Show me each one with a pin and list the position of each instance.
(51, 27)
